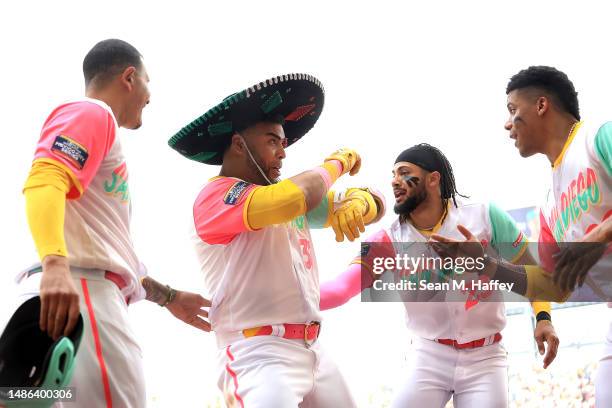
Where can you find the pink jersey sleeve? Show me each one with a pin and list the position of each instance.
(349, 283)
(219, 212)
(547, 245)
(358, 276)
(377, 245)
(78, 135)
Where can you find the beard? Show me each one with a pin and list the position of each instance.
(257, 175)
(255, 171)
(411, 203)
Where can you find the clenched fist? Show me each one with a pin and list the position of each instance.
(350, 159)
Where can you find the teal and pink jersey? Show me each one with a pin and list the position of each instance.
(580, 199)
(225, 216)
(459, 315)
(80, 137)
(254, 277)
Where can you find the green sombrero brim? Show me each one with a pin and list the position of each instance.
(297, 98)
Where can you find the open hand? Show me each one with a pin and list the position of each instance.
(453, 248)
(545, 333)
(189, 307)
(574, 261)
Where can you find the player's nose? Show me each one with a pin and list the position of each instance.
(396, 181)
(508, 125)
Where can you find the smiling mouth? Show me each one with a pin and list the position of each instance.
(399, 194)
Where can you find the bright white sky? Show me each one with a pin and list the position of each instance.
(395, 74)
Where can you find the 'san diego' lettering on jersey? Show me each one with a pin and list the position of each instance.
(298, 222)
(118, 185)
(582, 194)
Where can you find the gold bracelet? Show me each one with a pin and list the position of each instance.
(170, 297)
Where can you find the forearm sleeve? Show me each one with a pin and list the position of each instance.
(538, 307)
(45, 195)
(275, 204)
(541, 286)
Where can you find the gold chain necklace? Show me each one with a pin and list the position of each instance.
(572, 129)
(440, 221)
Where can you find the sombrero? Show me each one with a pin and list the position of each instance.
(294, 100)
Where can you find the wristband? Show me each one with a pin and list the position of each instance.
(543, 316)
(330, 171)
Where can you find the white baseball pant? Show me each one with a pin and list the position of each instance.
(273, 372)
(475, 377)
(108, 366)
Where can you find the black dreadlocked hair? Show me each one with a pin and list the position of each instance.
(448, 187)
(551, 81)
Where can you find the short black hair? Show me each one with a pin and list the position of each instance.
(109, 58)
(553, 82)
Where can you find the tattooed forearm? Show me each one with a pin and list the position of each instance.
(156, 292)
(509, 273)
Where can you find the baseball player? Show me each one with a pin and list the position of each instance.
(576, 227)
(78, 208)
(254, 242)
(458, 349)
(545, 118)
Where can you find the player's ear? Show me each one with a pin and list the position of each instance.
(434, 178)
(237, 145)
(128, 77)
(542, 105)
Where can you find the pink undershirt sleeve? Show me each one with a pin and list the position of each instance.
(348, 284)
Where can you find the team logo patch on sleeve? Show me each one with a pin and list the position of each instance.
(71, 150)
(235, 192)
(518, 241)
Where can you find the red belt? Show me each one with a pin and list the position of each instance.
(308, 332)
(108, 275)
(116, 279)
(485, 341)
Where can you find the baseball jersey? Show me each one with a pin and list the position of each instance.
(80, 137)
(579, 200)
(460, 315)
(254, 277)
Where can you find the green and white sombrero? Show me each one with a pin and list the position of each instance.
(294, 100)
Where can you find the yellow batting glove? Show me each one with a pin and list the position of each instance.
(371, 210)
(350, 159)
(347, 219)
(354, 209)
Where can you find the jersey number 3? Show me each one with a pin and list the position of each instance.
(306, 252)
